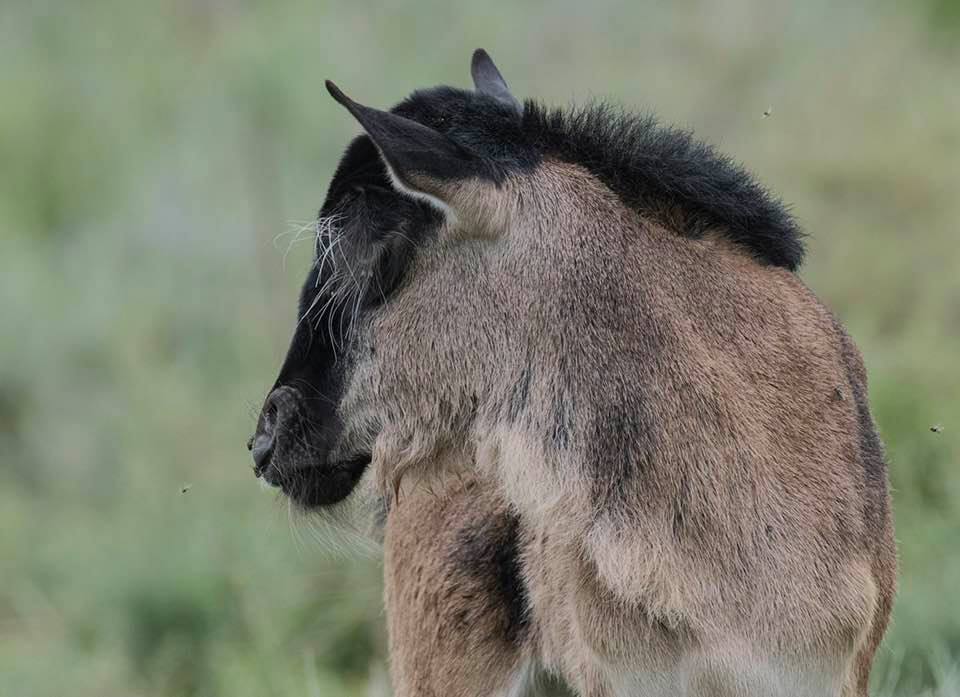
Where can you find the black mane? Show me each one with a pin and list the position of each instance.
(652, 167)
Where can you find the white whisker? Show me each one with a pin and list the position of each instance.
(299, 233)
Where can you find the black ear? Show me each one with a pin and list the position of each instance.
(488, 80)
(420, 157)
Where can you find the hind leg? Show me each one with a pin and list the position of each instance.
(456, 608)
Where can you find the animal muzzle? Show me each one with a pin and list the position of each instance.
(279, 413)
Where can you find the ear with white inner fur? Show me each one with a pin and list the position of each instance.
(488, 80)
(421, 161)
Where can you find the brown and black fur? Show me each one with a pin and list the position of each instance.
(622, 443)
(454, 581)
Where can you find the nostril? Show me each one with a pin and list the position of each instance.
(262, 449)
(261, 445)
(278, 411)
(264, 440)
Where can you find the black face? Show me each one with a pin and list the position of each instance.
(366, 236)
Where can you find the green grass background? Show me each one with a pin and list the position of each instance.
(156, 160)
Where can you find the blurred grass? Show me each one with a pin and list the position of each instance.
(150, 155)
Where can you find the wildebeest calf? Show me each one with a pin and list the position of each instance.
(563, 361)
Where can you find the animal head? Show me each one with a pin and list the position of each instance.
(473, 273)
